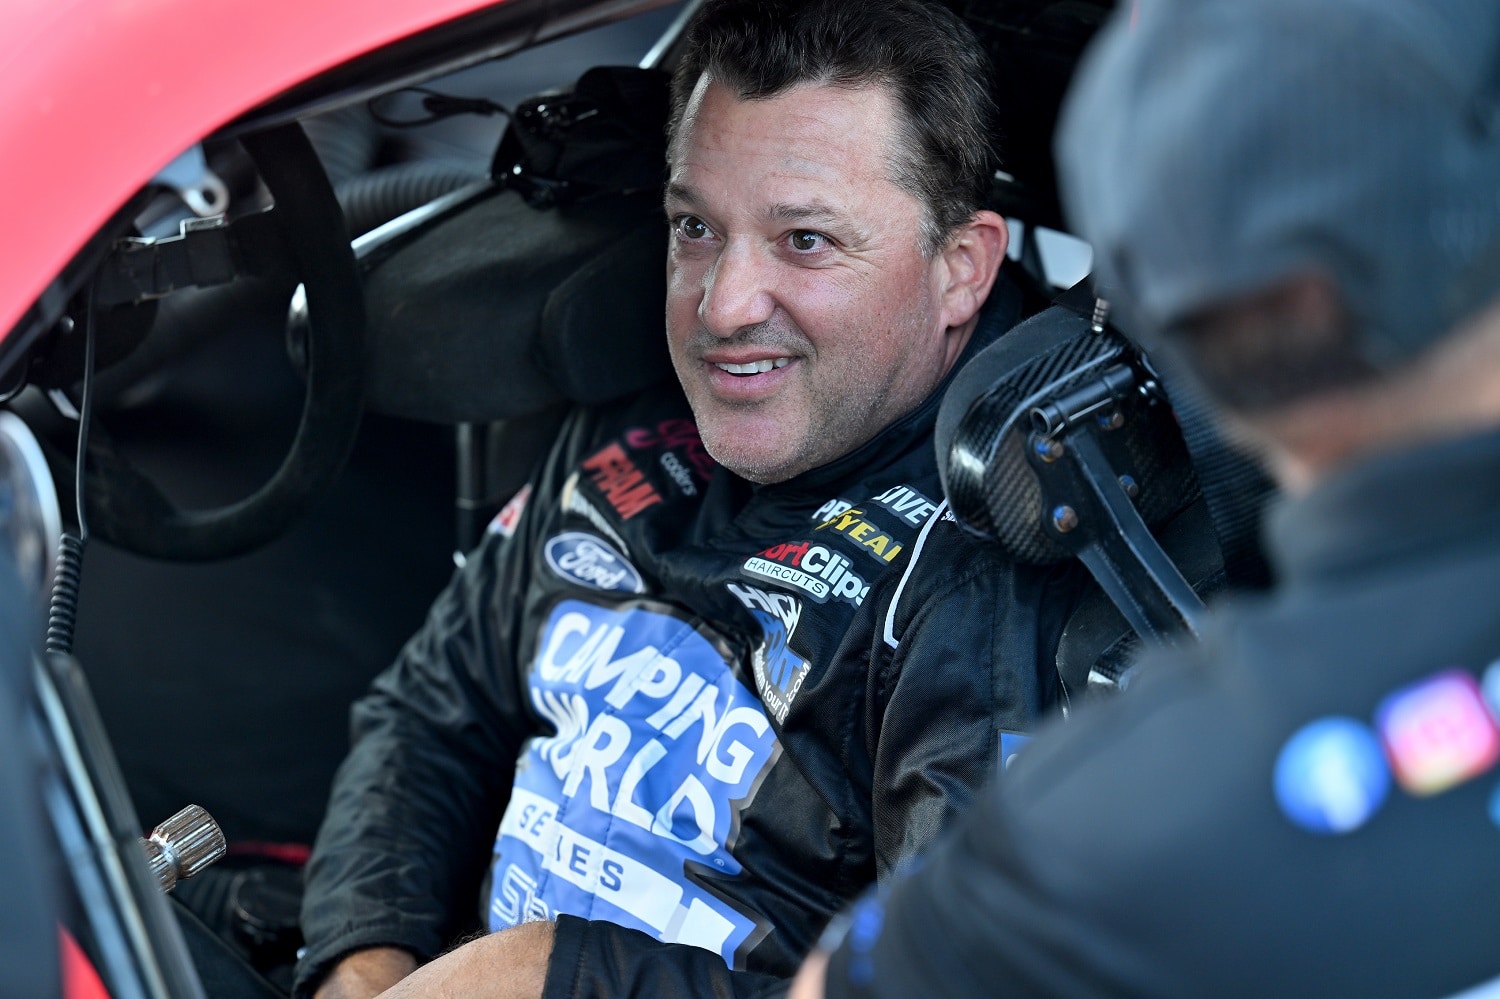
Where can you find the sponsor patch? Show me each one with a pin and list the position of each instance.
(831, 509)
(872, 539)
(1438, 732)
(624, 486)
(1331, 776)
(591, 561)
(1011, 743)
(674, 467)
(908, 504)
(655, 746)
(778, 670)
(504, 523)
(573, 502)
(680, 434)
(813, 569)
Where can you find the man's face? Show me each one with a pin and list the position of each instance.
(802, 316)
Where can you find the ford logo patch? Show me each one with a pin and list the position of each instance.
(592, 561)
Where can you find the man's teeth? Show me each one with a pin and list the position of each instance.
(755, 367)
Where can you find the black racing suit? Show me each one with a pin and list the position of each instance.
(697, 711)
(1307, 804)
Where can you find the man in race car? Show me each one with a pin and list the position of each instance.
(733, 664)
(1303, 201)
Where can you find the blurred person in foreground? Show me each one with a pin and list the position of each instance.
(1301, 200)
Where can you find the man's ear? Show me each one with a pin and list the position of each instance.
(971, 259)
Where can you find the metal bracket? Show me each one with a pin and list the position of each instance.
(1088, 485)
(205, 252)
(202, 190)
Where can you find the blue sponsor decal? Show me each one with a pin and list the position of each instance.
(778, 670)
(593, 562)
(1011, 743)
(656, 746)
(1331, 776)
(866, 922)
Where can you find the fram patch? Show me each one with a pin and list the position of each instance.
(624, 486)
(655, 746)
(778, 670)
(813, 569)
(870, 537)
(906, 503)
(591, 561)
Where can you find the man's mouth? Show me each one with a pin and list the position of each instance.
(753, 367)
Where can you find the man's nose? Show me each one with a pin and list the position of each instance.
(736, 291)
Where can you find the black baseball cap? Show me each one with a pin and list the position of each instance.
(1209, 148)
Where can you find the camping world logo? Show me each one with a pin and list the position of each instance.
(654, 747)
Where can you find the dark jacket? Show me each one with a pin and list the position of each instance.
(733, 708)
(1306, 804)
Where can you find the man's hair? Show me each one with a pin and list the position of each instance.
(933, 66)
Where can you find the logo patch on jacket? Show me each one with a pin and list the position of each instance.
(509, 516)
(813, 569)
(669, 436)
(853, 524)
(656, 741)
(908, 504)
(623, 485)
(591, 561)
(778, 670)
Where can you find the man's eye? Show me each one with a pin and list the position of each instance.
(692, 227)
(804, 240)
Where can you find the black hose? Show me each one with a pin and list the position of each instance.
(374, 198)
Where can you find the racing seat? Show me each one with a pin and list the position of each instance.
(500, 305)
(1062, 440)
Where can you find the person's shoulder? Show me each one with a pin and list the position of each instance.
(1190, 729)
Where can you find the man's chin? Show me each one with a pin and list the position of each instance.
(749, 456)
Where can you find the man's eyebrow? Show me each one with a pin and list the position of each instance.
(815, 212)
(683, 195)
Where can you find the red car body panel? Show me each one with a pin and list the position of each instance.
(104, 93)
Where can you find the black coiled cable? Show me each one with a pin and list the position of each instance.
(62, 614)
(62, 611)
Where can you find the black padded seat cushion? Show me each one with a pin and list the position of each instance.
(501, 310)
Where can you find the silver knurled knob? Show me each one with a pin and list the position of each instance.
(183, 845)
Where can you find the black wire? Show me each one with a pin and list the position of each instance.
(62, 612)
(85, 412)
